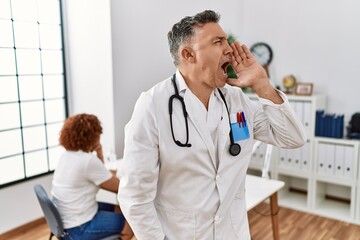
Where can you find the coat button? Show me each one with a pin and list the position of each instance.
(217, 218)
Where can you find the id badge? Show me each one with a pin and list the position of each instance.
(239, 127)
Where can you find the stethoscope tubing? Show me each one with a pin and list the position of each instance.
(234, 148)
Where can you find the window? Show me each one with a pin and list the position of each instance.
(33, 103)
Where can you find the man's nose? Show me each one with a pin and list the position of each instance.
(228, 49)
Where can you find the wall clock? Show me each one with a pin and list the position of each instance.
(263, 54)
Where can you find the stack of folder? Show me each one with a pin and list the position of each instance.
(329, 125)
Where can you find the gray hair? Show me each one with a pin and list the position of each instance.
(185, 29)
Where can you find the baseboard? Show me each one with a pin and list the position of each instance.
(14, 232)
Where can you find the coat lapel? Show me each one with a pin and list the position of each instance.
(223, 133)
(223, 130)
(193, 109)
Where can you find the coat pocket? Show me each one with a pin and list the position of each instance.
(176, 224)
(239, 126)
(238, 208)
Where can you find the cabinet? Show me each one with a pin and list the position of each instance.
(321, 177)
(335, 178)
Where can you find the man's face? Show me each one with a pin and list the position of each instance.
(212, 54)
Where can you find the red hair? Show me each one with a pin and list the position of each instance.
(80, 132)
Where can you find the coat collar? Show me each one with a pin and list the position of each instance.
(193, 111)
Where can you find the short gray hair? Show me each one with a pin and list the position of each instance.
(185, 29)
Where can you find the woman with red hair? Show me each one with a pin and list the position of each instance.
(78, 177)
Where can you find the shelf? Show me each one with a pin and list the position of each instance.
(295, 97)
(334, 200)
(336, 160)
(342, 141)
(335, 180)
(293, 200)
(255, 166)
(295, 192)
(293, 172)
(254, 172)
(333, 209)
(323, 176)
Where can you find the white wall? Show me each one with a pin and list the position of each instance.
(19, 204)
(89, 63)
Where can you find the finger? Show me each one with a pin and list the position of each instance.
(246, 51)
(233, 61)
(240, 51)
(235, 82)
(236, 52)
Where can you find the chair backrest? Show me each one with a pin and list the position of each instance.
(50, 211)
(267, 158)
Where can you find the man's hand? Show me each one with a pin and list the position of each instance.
(250, 73)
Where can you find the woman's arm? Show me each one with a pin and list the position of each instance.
(112, 184)
(99, 151)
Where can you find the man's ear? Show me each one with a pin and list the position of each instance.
(188, 54)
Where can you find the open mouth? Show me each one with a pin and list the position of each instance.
(229, 70)
(224, 67)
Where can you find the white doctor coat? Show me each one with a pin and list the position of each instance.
(197, 192)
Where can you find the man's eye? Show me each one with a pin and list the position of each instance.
(217, 42)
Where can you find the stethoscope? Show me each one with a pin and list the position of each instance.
(234, 149)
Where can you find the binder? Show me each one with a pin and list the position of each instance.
(349, 158)
(318, 122)
(283, 157)
(339, 160)
(322, 125)
(299, 111)
(340, 126)
(305, 156)
(290, 158)
(330, 159)
(321, 158)
(307, 113)
(297, 158)
(329, 125)
(333, 126)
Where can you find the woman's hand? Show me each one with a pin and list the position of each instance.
(99, 151)
(127, 233)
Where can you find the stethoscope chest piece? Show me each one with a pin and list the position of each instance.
(235, 149)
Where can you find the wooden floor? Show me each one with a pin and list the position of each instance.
(294, 225)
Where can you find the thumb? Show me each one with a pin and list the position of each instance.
(235, 82)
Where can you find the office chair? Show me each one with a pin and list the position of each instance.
(52, 215)
(266, 167)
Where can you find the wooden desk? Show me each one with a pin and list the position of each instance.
(257, 190)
